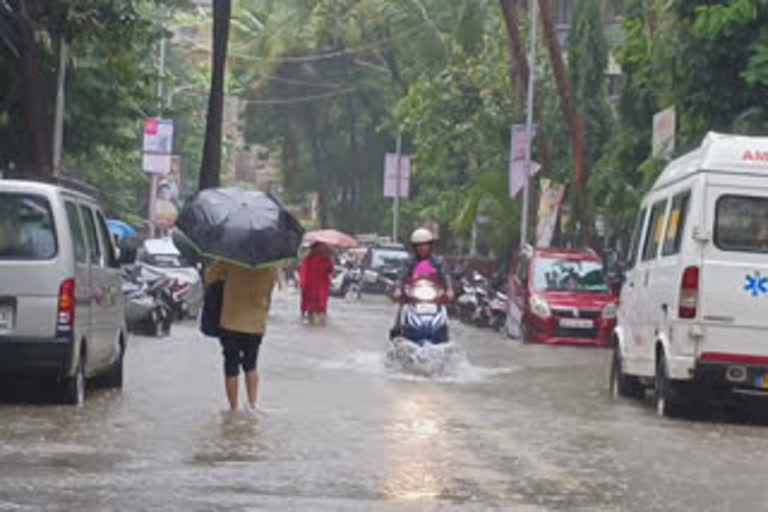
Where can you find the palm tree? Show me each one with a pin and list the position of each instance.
(210, 169)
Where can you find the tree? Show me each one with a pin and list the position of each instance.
(210, 169)
(573, 118)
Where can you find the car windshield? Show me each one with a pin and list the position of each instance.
(165, 260)
(563, 275)
(388, 258)
(26, 228)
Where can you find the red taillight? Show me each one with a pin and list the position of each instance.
(689, 293)
(66, 315)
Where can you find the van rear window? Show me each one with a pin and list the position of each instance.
(741, 223)
(26, 227)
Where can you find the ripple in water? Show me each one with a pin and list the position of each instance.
(446, 362)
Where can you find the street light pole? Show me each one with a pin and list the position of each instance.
(58, 122)
(396, 206)
(533, 7)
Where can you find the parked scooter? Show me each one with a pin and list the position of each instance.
(148, 300)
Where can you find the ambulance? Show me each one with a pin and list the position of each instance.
(693, 317)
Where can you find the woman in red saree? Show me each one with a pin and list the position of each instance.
(315, 280)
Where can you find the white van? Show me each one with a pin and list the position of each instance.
(693, 318)
(61, 301)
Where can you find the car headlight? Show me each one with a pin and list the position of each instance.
(609, 311)
(539, 307)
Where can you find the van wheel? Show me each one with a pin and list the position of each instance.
(621, 384)
(670, 394)
(73, 392)
(113, 379)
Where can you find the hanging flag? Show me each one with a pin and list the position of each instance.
(520, 140)
(549, 208)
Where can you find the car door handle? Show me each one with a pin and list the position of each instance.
(665, 308)
(631, 284)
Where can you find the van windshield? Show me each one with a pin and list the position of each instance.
(741, 223)
(560, 275)
(26, 228)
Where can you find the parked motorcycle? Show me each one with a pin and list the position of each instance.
(148, 300)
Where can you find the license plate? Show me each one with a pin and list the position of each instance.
(762, 382)
(6, 318)
(576, 323)
(426, 309)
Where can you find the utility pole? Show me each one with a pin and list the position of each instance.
(396, 207)
(160, 101)
(58, 121)
(533, 6)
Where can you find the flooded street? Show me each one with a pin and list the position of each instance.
(516, 428)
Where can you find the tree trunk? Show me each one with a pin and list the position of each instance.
(210, 169)
(35, 106)
(572, 116)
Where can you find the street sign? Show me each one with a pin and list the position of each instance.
(518, 165)
(663, 141)
(157, 145)
(391, 174)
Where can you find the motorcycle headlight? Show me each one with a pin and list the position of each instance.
(424, 293)
(539, 307)
(609, 311)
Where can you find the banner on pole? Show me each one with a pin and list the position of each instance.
(167, 194)
(520, 140)
(549, 207)
(391, 188)
(157, 145)
(663, 141)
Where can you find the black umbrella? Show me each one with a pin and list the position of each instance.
(244, 227)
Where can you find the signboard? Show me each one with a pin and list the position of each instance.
(549, 207)
(391, 188)
(520, 140)
(157, 145)
(167, 194)
(158, 135)
(663, 142)
(154, 163)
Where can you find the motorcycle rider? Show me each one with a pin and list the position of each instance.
(423, 261)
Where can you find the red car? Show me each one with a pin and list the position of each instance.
(560, 296)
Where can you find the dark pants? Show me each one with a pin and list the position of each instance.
(240, 350)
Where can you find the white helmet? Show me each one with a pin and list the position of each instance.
(422, 236)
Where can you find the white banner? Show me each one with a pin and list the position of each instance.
(520, 140)
(663, 142)
(157, 145)
(391, 173)
(549, 208)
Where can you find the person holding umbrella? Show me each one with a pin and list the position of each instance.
(317, 270)
(246, 297)
(315, 281)
(245, 235)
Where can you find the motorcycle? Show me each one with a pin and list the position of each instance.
(420, 344)
(148, 308)
(497, 310)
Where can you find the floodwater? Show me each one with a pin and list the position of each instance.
(522, 428)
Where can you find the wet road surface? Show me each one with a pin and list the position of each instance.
(517, 428)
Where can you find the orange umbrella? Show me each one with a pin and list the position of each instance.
(331, 237)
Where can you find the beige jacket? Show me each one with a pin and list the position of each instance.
(247, 295)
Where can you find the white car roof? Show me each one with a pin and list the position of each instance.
(160, 246)
(721, 153)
